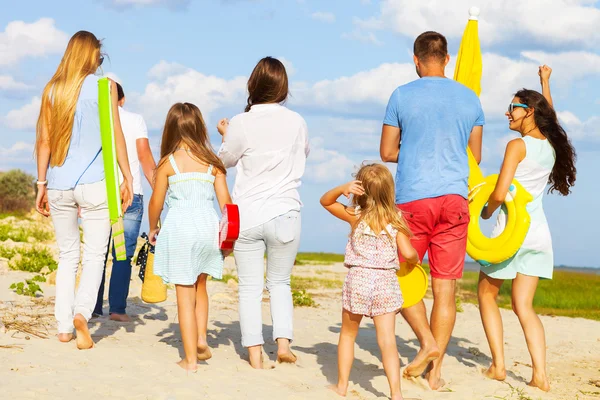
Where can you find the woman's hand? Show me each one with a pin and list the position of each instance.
(126, 194)
(222, 127)
(485, 213)
(226, 253)
(353, 187)
(544, 73)
(41, 201)
(153, 236)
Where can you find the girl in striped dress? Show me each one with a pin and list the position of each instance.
(189, 175)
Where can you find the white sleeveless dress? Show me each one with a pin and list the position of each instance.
(535, 257)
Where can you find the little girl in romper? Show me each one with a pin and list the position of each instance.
(371, 287)
(187, 247)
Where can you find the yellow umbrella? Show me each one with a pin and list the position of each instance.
(484, 250)
(468, 71)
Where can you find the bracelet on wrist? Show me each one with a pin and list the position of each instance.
(43, 183)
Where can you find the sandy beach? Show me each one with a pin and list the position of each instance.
(137, 360)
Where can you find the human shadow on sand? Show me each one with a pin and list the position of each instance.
(470, 355)
(102, 327)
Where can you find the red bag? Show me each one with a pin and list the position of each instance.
(229, 228)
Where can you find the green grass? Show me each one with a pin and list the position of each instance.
(226, 277)
(319, 258)
(309, 282)
(30, 260)
(569, 294)
(303, 299)
(23, 234)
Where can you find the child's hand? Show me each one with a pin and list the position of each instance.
(353, 187)
(544, 73)
(153, 236)
(222, 126)
(226, 252)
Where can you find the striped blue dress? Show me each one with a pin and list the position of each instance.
(188, 242)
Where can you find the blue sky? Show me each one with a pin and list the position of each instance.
(344, 58)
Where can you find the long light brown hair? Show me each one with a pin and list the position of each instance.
(268, 83)
(377, 205)
(60, 95)
(185, 127)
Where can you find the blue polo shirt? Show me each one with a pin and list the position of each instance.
(436, 116)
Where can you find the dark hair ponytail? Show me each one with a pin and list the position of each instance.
(563, 174)
(268, 83)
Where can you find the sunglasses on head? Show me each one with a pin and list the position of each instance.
(512, 106)
(101, 60)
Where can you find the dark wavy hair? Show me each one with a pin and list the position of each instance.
(563, 174)
(268, 83)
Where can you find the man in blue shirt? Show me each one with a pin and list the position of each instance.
(427, 127)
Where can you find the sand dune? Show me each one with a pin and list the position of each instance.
(137, 360)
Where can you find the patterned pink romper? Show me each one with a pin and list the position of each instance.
(371, 287)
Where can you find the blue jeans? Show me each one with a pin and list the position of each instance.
(121, 270)
(280, 238)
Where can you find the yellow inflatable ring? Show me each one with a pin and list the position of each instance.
(413, 284)
(487, 251)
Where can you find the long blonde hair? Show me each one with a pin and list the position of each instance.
(185, 126)
(377, 205)
(60, 95)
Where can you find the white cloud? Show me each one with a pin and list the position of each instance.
(8, 84)
(326, 17)
(20, 152)
(289, 67)
(326, 165)
(21, 39)
(25, 117)
(554, 22)
(123, 4)
(580, 130)
(364, 37)
(172, 83)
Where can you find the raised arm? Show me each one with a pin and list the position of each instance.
(42, 150)
(515, 153)
(330, 203)
(544, 73)
(234, 141)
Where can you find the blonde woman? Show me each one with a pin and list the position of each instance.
(71, 176)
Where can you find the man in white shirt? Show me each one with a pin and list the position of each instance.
(140, 159)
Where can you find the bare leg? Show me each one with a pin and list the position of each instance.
(443, 317)
(492, 324)
(202, 318)
(350, 324)
(385, 326)
(416, 316)
(186, 310)
(523, 290)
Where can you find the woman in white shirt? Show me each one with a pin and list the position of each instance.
(268, 144)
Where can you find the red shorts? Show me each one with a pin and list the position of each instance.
(439, 226)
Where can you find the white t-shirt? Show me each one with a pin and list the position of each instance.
(268, 145)
(134, 128)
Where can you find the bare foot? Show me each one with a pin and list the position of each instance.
(339, 390)
(287, 357)
(421, 361)
(204, 352)
(65, 337)
(190, 367)
(435, 382)
(540, 383)
(84, 339)
(492, 372)
(120, 317)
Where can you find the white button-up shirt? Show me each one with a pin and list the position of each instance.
(268, 145)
